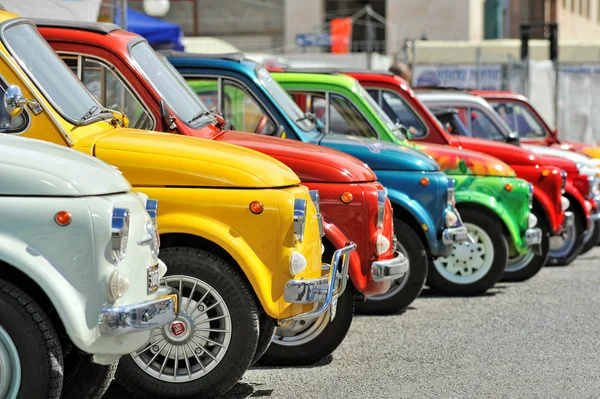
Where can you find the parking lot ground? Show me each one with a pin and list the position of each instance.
(537, 339)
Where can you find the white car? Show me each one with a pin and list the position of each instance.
(79, 271)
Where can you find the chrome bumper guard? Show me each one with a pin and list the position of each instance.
(453, 235)
(569, 220)
(140, 316)
(322, 291)
(533, 239)
(390, 269)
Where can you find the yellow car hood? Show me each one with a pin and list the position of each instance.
(160, 159)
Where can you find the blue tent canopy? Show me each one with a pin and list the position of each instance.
(161, 34)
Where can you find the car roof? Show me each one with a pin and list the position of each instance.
(238, 56)
(433, 96)
(96, 27)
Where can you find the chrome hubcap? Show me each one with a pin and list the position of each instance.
(300, 332)
(468, 262)
(520, 261)
(562, 245)
(194, 343)
(10, 367)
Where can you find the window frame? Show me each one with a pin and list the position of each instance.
(414, 111)
(327, 95)
(114, 69)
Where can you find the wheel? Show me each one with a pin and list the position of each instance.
(591, 238)
(306, 342)
(472, 269)
(31, 362)
(83, 378)
(207, 349)
(566, 247)
(406, 289)
(522, 267)
(267, 332)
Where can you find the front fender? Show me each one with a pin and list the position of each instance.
(420, 214)
(267, 285)
(574, 194)
(69, 303)
(554, 218)
(508, 218)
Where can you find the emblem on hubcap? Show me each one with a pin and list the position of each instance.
(177, 328)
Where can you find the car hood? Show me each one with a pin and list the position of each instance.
(454, 161)
(511, 154)
(380, 155)
(585, 164)
(31, 167)
(161, 159)
(312, 163)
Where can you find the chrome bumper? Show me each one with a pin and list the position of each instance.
(140, 316)
(322, 291)
(454, 235)
(390, 269)
(569, 220)
(533, 239)
(595, 217)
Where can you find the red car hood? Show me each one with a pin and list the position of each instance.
(511, 154)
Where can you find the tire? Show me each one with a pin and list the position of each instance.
(267, 332)
(84, 379)
(406, 289)
(315, 339)
(484, 271)
(592, 239)
(523, 267)
(571, 246)
(29, 348)
(217, 358)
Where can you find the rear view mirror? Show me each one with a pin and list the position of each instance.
(513, 138)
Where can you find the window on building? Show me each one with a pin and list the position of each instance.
(573, 6)
(580, 7)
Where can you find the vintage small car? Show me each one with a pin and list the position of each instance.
(239, 234)
(79, 271)
(427, 224)
(353, 205)
(487, 132)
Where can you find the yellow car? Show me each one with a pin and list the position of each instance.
(239, 234)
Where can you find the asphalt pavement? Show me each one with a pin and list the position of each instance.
(537, 339)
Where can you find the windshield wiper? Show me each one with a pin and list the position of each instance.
(200, 114)
(89, 113)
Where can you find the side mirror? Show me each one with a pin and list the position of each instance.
(513, 138)
(405, 132)
(14, 100)
(166, 117)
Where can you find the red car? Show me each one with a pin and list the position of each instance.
(354, 205)
(547, 195)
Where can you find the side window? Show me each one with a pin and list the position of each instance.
(109, 89)
(399, 111)
(10, 124)
(207, 90)
(344, 118)
(519, 119)
(243, 111)
(376, 94)
(483, 127)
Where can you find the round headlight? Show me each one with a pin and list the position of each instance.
(451, 219)
(297, 263)
(564, 203)
(531, 221)
(118, 285)
(383, 244)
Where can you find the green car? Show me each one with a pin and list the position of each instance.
(493, 203)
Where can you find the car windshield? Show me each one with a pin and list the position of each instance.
(53, 78)
(519, 119)
(380, 113)
(283, 99)
(171, 86)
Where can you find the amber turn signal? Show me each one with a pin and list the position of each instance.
(545, 172)
(424, 181)
(346, 197)
(256, 207)
(508, 187)
(62, 218)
